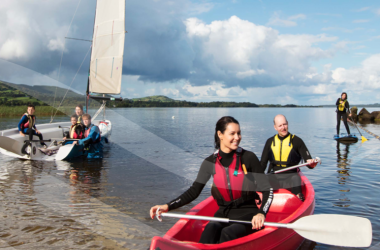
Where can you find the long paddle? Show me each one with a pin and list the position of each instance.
(332, 229)
(363, 138)
(301, 165)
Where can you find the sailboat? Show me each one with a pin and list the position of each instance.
(105, 75)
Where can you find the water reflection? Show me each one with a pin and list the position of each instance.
(343, 164)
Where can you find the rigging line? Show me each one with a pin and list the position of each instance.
(99, 111)
(60, 64)
(72, 82)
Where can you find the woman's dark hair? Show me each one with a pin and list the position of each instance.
(79, 106)
(342, 95)
(221, 126)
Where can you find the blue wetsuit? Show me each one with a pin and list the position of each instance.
(93, 140)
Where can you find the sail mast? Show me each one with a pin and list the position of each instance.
(89, 68)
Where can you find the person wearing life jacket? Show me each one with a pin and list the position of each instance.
(237, 175)
(343, 107)
(92, 139)
(285, 150)
(27, 125)
(75, 131)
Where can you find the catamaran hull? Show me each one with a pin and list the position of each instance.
(11, 142)
(286, 208)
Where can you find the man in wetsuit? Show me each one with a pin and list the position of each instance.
(285, 150)
(92, 139)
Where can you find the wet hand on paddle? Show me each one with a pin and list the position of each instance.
(163, 208)
(258, 221)
(313, 163)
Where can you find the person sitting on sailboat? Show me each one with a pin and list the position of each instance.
(76, 130)
(79, 113)
(27, 125)
(92, 138)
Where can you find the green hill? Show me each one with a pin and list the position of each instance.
(155, 98)
(20, 94)
(38, 90)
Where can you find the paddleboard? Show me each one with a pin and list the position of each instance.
(346, 138)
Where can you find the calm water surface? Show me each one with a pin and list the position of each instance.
(151, 159)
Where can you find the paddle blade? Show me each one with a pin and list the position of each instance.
(334, 229)
(364, 139)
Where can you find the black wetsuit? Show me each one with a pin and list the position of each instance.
(342, 114)
(288, 179)
(216, 232)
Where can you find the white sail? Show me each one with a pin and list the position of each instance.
(107, 47)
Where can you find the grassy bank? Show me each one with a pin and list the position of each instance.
(18, 111)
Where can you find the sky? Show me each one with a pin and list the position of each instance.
(277, 52)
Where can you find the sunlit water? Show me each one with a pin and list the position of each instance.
(151, 159)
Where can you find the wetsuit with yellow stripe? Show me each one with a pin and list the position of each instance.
(284, 152)
(343, 107)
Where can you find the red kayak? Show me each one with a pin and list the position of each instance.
(285, 208)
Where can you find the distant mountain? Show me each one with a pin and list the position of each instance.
(20, 94)
(38, 90)
(155, 98)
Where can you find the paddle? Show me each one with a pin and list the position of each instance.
(331, 229)
(363, 138)
(317, 159)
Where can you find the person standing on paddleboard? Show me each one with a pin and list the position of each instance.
(237, 173)
(285, 150)
(343, 107)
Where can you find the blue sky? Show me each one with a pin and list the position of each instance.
(301, 52)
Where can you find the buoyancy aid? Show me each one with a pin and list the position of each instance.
(87, 132)
(342, 106)
(231, 186)
(76, 132)
(283, 153)
(31, 121)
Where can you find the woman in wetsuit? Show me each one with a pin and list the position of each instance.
(343, 107)
(237, 173)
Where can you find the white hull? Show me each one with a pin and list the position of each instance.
(11, 142)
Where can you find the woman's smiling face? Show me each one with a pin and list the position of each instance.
(230, 139)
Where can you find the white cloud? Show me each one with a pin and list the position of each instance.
(238, 49)
(367, 76)
(295, 17)
(249, 73)
(341, 29)
(361, 21)
(362, 9)
(275, 20)
(378, 11)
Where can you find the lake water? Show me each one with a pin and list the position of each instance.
(151, 159)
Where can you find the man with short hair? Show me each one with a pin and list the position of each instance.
(27, 125)
(285, 150)
(92, 138)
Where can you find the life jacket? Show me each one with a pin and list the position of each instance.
(231, 185)
(87, 132)
(342, 106)
(76, 132)
(31, 121)
(80, 120)
(283, 153)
